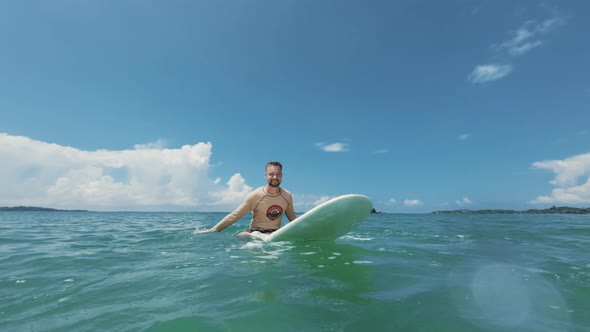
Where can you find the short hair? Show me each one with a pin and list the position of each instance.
(274, 163)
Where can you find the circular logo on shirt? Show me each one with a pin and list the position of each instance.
(274, 212)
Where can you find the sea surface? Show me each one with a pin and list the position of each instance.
(98, 271)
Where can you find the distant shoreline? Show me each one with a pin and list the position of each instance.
(36, 208)
(551, 210)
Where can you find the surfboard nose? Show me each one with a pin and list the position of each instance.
(327, 221)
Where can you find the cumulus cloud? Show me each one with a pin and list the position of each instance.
(390, 202)
(322, 200)
(333, 147)
(489, 72)
(159, 145)
(147, 177)
(464, 137)
(464, 201)
(236, 191)
(306, 202)
(413, 202)
(572, 179)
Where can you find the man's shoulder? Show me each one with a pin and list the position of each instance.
(256, 192)
(285, 192)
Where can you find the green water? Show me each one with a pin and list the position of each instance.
(147, 272)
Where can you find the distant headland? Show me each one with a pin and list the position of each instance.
(551, 210)
(36, 208)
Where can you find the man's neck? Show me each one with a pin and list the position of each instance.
(272, 190)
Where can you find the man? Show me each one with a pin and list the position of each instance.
(267, 204)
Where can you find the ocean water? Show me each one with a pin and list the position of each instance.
(87, 271)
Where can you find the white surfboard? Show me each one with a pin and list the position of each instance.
(327, 221)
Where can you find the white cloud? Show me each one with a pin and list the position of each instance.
(333, 147)
(489, 72)
(568, 175)
(158, 145)
(236, 191)
(390, 202)
(306, 202)
(464, 137)
(148, 177)
(321, 200)
(526, 37)
(381, 151)
(413, 202)
(464, 201)
(523, 40)
(521, 49)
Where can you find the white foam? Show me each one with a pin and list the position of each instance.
(266, 250)
(272, 255)
(252, 245)
(357, 238)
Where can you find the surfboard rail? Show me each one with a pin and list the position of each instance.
(327, 221)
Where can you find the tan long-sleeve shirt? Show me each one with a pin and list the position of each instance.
(267, 210)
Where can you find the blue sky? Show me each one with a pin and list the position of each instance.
(177, 105)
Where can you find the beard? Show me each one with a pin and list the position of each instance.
(274, 183)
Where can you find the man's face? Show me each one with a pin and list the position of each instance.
(273, 175)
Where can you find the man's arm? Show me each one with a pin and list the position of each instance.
(229, 219)
(203, 231)
(290, 212)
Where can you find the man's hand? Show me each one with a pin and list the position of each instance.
(204, 231)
